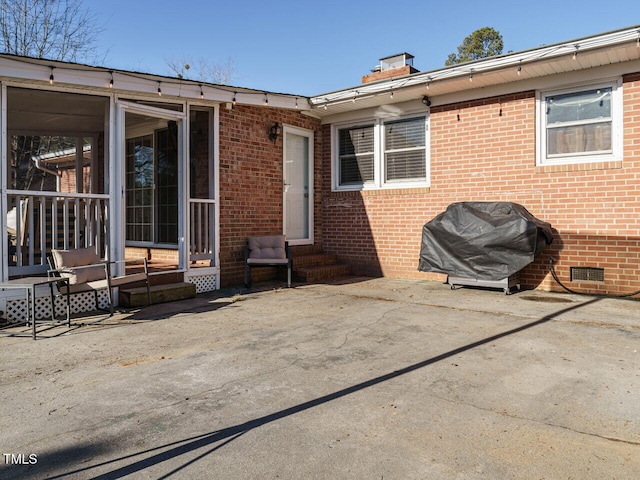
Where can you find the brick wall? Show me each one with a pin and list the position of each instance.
(251, 182)
(484, 150)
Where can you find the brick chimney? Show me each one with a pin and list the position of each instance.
(394, 66)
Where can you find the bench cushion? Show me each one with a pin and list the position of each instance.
(267, 248)
(66, 260)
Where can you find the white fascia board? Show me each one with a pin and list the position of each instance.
(37, 72)
(480, 66)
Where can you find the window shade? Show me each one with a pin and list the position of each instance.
(405, 153)
(356, 155)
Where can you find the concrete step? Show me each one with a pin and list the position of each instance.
(169, 292)
(321, 272)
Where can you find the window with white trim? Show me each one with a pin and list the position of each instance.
(580, 125)
(382, 154)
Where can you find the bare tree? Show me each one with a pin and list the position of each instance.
(221, 73)
(52, 29)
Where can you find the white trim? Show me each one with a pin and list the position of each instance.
(4, 241)
(216, 186)
(617, 125)
(510, 60)
(183, 190)
(309, 134)
(124, 106)
(379, 182)
(35, 72)
(213, 197)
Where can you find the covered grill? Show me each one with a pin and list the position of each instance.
(482, 243)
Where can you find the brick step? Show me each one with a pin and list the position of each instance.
(321, 272)
(168, 292)
(314, 260)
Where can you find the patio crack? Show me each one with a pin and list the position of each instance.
(293, 363)
(346, 337)
(539, 422)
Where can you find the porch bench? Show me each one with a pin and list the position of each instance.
(86, 272)
(266, 251)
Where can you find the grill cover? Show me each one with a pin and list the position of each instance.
(482, 240)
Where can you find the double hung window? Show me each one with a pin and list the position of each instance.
(382, 154)
(580, 125)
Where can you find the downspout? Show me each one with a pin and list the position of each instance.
(58, 175)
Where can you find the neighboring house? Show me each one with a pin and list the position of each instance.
(182, 171)
(555, 129)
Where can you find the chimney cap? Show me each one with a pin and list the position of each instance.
(397, 60)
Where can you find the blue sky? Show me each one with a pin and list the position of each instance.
(313, 47)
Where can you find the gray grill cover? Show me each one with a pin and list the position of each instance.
(482, 240)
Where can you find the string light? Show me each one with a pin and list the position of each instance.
(266, 100)
(159, 89)
(575, 53)
(201, 92)
(296, 103)
(111, 81)
(519, 69)
(471, 77)
(51, 76)
(391, 94)
(233, 100)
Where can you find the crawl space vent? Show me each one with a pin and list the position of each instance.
(587, 274)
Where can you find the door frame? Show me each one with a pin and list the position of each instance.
(118, 175)
(309, 134)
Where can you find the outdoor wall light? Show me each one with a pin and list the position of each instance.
(426, 101)
(274, 131)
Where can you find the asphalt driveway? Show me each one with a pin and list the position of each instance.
(362, 379)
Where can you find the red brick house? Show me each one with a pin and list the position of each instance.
(182, 171)
(555, 129)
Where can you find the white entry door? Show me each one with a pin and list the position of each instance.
(298, 185)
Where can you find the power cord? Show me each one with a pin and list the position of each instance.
(555, 277)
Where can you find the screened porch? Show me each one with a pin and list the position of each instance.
(58, 179)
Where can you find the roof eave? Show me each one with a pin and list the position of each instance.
(448, 78)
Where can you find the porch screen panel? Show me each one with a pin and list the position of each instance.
(167, 186)
(201, 175)
(356, 150)
(140, 186)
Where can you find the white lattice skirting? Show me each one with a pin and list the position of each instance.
(17, 310)
(84, 302)
(204, 283)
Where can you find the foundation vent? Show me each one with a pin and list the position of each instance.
(587, 274)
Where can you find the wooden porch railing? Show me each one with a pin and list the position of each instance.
(46, 220)
(202, 231)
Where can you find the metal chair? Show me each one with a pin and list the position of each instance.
(87, 272)
(266, 251)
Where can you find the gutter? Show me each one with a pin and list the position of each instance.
(513, 60)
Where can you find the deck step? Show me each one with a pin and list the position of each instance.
(169, 292)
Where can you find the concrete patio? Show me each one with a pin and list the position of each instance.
(358, 379)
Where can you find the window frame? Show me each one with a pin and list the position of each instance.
(617, 127)
(379, 151)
